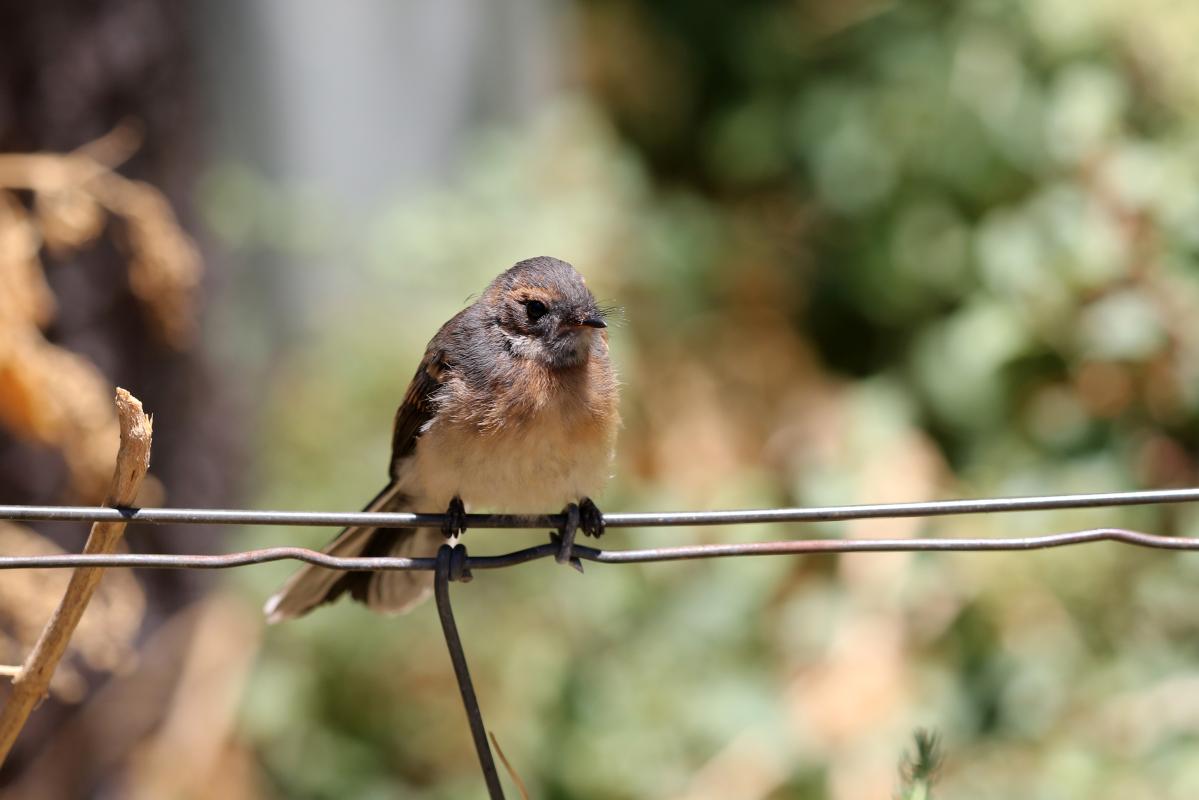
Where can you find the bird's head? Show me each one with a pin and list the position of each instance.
(545, 311)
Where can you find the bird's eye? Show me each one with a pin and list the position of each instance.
(535, 309)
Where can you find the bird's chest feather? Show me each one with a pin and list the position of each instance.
(527, 444)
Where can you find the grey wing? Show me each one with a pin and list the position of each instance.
(417, 407)
(390, 591)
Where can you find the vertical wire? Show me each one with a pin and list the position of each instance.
(441, 592)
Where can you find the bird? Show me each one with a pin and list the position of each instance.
(514, 408)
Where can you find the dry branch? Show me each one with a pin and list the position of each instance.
(33, 680)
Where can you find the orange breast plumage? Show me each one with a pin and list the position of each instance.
(539, 440)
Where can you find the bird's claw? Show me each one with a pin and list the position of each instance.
(455, 519)
(591, 519)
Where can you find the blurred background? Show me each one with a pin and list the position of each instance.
(865, 251)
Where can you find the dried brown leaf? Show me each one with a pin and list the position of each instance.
(47, 394)
(104, 638)
(54, 397)
(73, 195)
(69, 219)
(24, 296)
(164, 273)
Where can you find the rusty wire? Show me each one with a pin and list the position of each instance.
(454, 563)
(645, 555)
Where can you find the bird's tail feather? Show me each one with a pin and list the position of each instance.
(388, 591)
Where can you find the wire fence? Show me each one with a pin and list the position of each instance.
(454, 563)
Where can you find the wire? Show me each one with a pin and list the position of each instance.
(553, 549)
(455, 564)
(938, 508)
(449, 628)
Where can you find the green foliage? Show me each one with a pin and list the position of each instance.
(918, 770)
(865, 251)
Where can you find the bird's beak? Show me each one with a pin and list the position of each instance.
(592, 322)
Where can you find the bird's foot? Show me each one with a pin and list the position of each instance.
(564, 537)
(591, 519)
(455, 519)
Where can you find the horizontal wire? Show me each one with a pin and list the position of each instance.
(201, 516)
(790, 547)
(565, 550)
